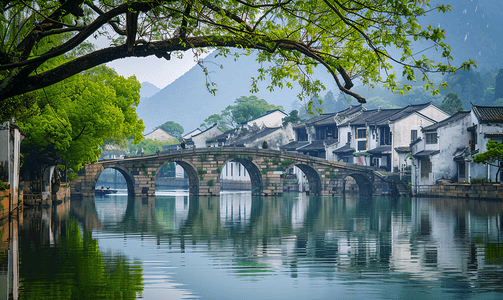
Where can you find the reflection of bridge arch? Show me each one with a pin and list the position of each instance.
(253, 171)
(190, 170)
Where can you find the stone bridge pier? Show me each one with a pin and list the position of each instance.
(266, 169)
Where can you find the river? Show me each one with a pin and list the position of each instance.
(241, 247)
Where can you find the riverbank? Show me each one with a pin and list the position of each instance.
(481, 190)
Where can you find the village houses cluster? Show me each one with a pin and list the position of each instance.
(421, 139)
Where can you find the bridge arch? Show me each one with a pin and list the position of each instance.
(313, 177)
(365, 185)
(128, 176)
(253, 171)
(191, 171)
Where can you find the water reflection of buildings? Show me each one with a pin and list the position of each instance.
(9, 257)
(423, 240)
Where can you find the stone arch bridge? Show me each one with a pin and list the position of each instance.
(265, 167)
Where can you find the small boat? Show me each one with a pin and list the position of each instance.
(105, 191)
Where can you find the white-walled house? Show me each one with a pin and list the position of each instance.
(190, 134)
(159, 135)
(200, 138)
(446, 149)
(382, 136)
(10, 149)
(436, 152)
(486, 123)
(270, 119)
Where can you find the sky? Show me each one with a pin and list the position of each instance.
(157, 71)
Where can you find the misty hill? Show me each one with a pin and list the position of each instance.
(188, 102)
(473, 31)
(148, 90)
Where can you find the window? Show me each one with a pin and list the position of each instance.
(362, 133)
(413, 135)
(473, 140)
(301, 134)
(332, 133)
(362, 145)
(349, 137)
(431, 138)
(239, 169)
(385, 136)
(232, 169)
(321, 133)
(461, 170)
(425, 167)
(227, 170)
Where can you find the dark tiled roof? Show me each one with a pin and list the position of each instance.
(426, 153)
(313, 120)
(317, 145)
(341, 115)
(344, 149)
(402, 149)
(380, 150)
(370, 117)
(415, 142)
(267, 113)
(461, 154)
(404, 112)
(493, 134)
(214, 125)
(224, 136)
(292, 146)
(457, 116)
(488, 114)
(253, 136)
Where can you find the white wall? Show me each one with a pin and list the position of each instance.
(401, 131)
(233, 170)
(159, 135)
(200, 139)
(274, 119)
(434, 113)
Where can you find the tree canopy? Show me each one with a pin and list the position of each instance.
(492, 156)
(172, 128)
(451, 104)
(350, 38)
(75, 116)
(245, 109)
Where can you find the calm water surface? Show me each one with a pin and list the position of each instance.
(240, 247)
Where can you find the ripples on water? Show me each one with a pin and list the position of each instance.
(241, 247)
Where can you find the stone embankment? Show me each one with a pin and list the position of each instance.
(483, 190)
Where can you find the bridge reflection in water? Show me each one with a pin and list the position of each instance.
(289, 247)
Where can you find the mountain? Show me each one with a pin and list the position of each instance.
(472, 31)
(148, 90)
(188, 102)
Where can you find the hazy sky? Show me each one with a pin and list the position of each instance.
(158, 71)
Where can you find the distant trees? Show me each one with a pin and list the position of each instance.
(245, 109)
(293, 117)
(172, 128)
(451, 104)
(148, 147)
(498, 90)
